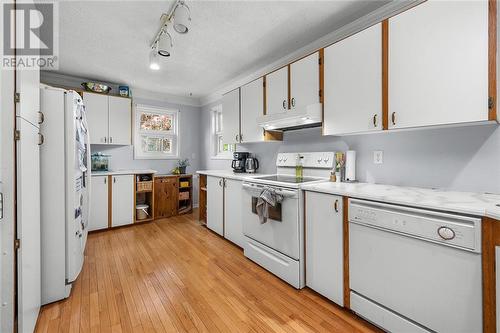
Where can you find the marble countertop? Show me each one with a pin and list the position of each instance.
(229, 174)
(123, 172)
(479, 204)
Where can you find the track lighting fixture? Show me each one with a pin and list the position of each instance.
(180, 16)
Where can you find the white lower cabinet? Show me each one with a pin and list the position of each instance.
(99, 203)
(324, 245)
(215, 204)
(233, 230)
(122, 206)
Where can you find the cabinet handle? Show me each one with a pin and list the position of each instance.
(241, 137)
(293, 101)
(284, 104)
(110, 139)
(374, 120)
(220, 182)
(41, 139)
(105, 180)
(393, 118)
(105, 139)
(336, 206)
(41, 117)
(224, 183)
(236, 137)
(114, 179)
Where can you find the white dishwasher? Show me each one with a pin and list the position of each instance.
(415, 270)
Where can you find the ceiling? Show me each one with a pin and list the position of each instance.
(109, 40)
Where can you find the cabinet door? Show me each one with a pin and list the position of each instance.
(304, 82)
(277, 91)
(166, 197)
(123, 209)
(215, 204)
(438, 64)
(231, 117)
(99, 203)
(233, 230)
(97, 117)
(120, 120)
(324, 245)
(353, 84)
(252, 107)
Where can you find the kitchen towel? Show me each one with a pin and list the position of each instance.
(268, 197)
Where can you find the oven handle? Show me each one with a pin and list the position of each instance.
(258, 189)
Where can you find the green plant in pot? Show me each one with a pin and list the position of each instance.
(182, 165)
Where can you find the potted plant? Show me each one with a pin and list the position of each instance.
(182, 165)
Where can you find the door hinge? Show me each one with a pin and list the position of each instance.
(17, 244)
(17, 97)
(17, 135)
(319, 61)
(320, 93)
(491, 102)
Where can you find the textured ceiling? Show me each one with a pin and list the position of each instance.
(109, 40)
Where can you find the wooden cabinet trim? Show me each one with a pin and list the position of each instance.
(110, 200)
(492, 58)
(345, 219)
(490, 229)
(385, 74)
(321, 92)
(289, 87)
(264, 95)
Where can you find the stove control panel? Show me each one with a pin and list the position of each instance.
(314, 160)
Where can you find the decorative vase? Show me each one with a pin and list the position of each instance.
(182, 170)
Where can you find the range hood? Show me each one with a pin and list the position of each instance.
(309, 116)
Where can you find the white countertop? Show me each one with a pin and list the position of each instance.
(479, 204)
(229, 174)
(123, 172)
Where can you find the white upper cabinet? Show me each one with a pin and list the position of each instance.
(304, 82)
(252, 107)
(438, 64)
(120, 120)
(231, 117)
(277, 91)
(353, 84)
(97, 117)
(109, 119)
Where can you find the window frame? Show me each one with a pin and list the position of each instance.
(174, 136)
(216, 130)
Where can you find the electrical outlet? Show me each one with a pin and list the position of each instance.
(378, 157)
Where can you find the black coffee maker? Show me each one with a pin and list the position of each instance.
(238, 163)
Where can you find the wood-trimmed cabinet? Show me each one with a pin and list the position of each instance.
(109, 118)
(173, 195)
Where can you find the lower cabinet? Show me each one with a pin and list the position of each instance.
(122, 205)
(233, 223)
(166, 196)
(215, 204)
(324, 245)
(99, 203)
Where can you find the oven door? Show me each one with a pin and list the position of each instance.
(281, 231)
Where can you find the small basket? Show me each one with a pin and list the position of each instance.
(145, 186)
(184, 184)
(183, 195)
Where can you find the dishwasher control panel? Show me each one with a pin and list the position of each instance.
(447, 228)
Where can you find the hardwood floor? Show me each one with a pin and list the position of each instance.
(174, 275)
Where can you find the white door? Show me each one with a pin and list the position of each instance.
(438, 64)
(120, 120)
(97, 116)
(122, 206)
(28, 225)
(233, 230)
(324, 245)
(353, 84)
(99, 203)
(304, 82)
(252, 107)
(277, 91)
(231, 117)
(215, 204)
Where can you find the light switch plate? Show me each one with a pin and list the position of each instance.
(378, 157)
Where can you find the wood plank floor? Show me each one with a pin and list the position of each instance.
(174, 275)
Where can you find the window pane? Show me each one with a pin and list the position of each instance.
(156, 122)
(151, 144)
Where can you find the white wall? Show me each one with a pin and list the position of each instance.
(460, 158)
(123, 156)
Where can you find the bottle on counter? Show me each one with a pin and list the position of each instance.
(299, 167)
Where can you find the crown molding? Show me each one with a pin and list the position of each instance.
(392, 8)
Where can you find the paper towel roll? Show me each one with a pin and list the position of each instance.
(350, 166)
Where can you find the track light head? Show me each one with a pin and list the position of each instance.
(182, 18)
(165, 44)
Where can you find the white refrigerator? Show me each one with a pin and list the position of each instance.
(65, 189)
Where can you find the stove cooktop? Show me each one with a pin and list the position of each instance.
(288, 179)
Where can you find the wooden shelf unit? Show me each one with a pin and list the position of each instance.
(185, 198)
(168, 192)
(144, 194)
(202, 211)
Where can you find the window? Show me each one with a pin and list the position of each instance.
(220, 149)
(156, 133)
